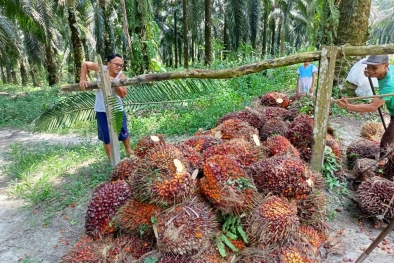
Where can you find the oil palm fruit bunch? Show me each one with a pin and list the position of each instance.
(147, 143)
(365, 168)
(282, 175)
(162, 177)
(128, 247)
(87, 250)
(235, 128)
(362, 148)
(274, 99)
(258, 254)
(375, 197)
(309, 238)
(388, 168)
(280, 145)
(226, 185)
(125, 168)
(242, 151)
(372, 131)
(312, 211)
(277, 113)
(273, 220)
(273, 127)
(300, 131)
(335, 147)
(136, 217)
(186, 228)
(249, 115)
(291, 254)
(106, 200)
(194, 157)
(202, 142)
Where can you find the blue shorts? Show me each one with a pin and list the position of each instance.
(102, 128)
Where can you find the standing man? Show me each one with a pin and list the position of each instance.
(378, 66)
(114, 66)
(306, 78)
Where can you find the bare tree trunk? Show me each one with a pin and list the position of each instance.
(75, 42)
(24, 76)
(225, 39)
(265, 26)
(3, 77)
(8, 74)
(272, 37)
(126, 28)
(176, 39)
(13, 76)
(208, 32)
(185, 33)
(34, 74)
(51, 65)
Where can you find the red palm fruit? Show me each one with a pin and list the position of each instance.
(272, 127)
(305, 153)
(162, 178)
(274, 99)
(300, 131)
(194, 158)
(372, 131)
(234, 128)
(309, 238)
(375, 197)
(147, 143)
(106, 200)
(268, 113)
(291, 254)
(249, 115)
(362, 148)
(86, 250)
(273, 220)
(283, 176)
(279, 145)
(312, 210)
(126, 248)
(201, 143)
(242, 151)
(335, 147)
(135, 217)
(226, 185)
(124, 169)
(186, 228)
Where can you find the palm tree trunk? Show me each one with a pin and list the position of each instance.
(265, 26)
(176, 39)
(225, 39)
(279, 37)
(24, 75)
(126, 27)
(208, 32)
(34, 74)
(51, 65)
(272, 37)
(106, 33)
(75, 42)
(13, 76)
(3, 77)
(8, 74)
(185, 38)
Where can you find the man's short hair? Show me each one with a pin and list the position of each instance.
(376, 60)
(112, 56)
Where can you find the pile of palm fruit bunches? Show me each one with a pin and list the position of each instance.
(240, 192)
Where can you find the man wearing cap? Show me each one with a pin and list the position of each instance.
(378, 66)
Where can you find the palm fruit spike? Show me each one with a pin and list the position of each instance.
(274, 99)
(226, 185)
(86, 250)
(126, 248)
(135, 217)
(290, 254)
(312, 210)
(242, 151)
(253, 117)
(194, 158)
(335, 147)
(282, 175)
(203, 142)
(279, 145)
(372, 131)
(106, 200)
(147, 143)
(309, 238)
(234, 128)
(273, 220)
(376, 197)
(124, 169)
(258, 254)
(300, 131)
(185, 228)
(362, 148)
(364, 168)
(162, 178)
(388, 169)
(273, 127)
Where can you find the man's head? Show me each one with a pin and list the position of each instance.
(114, 63)
(306, 63)
(377, 65)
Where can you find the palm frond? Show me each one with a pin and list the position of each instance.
(79, 107)
(116, 114)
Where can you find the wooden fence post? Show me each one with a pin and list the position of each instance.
(322, 105)
(105, 87)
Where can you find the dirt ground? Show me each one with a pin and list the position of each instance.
(24, 239)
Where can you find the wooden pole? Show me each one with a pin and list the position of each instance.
(322, 105)
(242, 70)
(105, 87)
